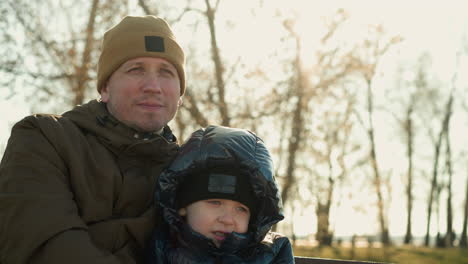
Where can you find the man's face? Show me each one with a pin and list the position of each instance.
(216, 218)
(143, 93)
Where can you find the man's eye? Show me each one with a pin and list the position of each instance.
(134, 69)
(167, 71)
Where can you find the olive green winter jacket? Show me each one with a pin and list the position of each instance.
(78, 188)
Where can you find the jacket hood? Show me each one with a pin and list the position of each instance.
(222, 147)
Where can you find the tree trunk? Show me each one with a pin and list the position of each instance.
(439, 240)
(297, 125)
(409, 186)
(82, 73)
(323, 235)
(219, 69)
(193, 109)
(463, 238)
(449, 236)
(146, 8)
(432, 192)
(377, 50)
(385, 239)
(435, 169)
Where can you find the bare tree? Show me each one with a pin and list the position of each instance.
(407, 97)
(144, 5)
(333, 65)
(373, 51)
(297, 125)
(409, 185)
(463, 236)
(449, 236)
(82, 72)
(218, 65)
(337, 136)
(58, 61)
(435, 169)
(407, 125)
(215, 98)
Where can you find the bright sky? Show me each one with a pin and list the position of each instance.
(435, 26)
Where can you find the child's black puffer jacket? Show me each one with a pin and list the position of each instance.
(213, 148)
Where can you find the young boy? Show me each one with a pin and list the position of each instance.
(218, 200)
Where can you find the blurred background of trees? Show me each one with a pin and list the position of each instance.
(355, 128)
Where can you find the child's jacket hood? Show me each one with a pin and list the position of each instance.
(219, 147)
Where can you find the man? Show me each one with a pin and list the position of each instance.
(78, 188)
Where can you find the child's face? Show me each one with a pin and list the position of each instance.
(216, 218)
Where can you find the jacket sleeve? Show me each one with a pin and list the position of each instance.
(39, 219)
(284, 251)
(157, 249)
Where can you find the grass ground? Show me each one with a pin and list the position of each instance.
(401, 254)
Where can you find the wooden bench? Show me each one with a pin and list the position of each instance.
(306, 260)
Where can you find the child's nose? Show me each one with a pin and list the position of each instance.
(227, 217)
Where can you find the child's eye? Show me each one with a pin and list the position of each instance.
(243, 209)
(214, 202)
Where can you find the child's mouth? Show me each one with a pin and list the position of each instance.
(219, 236)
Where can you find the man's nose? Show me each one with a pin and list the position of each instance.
(152, 84)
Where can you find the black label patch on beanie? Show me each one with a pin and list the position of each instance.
(222, 183)
(154, 44)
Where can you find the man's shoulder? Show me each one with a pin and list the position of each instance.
(46, 124)
(42, 119)
(84, 112)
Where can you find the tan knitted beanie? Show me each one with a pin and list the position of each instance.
(139, 36)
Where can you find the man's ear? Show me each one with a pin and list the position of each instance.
(181, 101)
(105, 92)
(182, 211)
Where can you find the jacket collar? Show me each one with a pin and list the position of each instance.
(94, 118)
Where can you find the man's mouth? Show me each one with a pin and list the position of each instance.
(150, 105)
